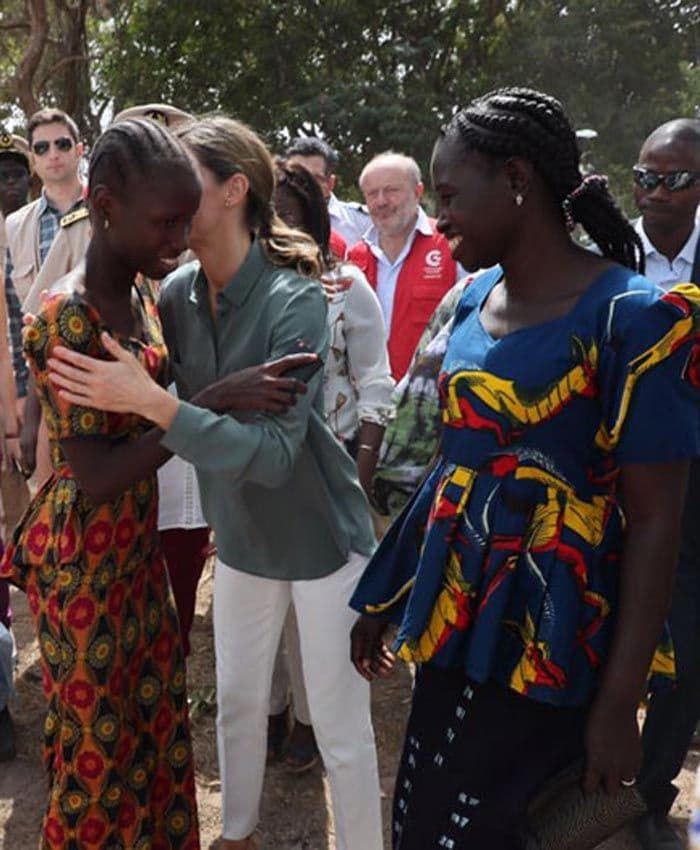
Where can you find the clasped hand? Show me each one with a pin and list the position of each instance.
(369, 652)
(122, 385)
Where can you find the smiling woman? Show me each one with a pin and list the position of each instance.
(87, 551)
(530, 574)
(279, 491)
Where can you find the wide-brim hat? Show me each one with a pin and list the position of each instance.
(163, 113)
(14, 145)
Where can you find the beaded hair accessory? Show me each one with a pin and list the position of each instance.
(592, 181)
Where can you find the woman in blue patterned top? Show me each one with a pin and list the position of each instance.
(530, 574)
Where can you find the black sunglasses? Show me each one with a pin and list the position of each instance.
(674, 181)
(63, 144)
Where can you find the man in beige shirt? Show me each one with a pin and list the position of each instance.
(55, 153)
(70, 244)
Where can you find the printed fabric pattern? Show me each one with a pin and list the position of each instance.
(117, 746)
(411, 438)
(506, 561)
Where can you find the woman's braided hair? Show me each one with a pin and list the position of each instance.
(135, 145)
(525, 123)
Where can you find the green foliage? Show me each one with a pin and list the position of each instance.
(371, 75)
(690, 92)
(56, 33)
(374, 75)
(377, 75)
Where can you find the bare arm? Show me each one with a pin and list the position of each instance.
(263, 448)
(105, 468)
(369, 438)
(368, 365)
(30, 428)
(652, 496)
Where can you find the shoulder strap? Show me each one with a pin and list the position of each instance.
(70, 218)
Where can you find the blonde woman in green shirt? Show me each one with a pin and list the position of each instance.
(290, 518)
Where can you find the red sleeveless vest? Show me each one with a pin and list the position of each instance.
(425, 276)
(338, 245)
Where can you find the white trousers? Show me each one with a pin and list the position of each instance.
(287, 674)
(249, 612)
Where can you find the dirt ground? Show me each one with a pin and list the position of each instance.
(294, 810)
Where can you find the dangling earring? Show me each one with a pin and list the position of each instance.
(518, 200)
(105, 224)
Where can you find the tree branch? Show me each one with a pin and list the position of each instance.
(14, 25)
(66, 60)
(24, 76)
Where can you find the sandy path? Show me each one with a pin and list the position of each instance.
(294, 808)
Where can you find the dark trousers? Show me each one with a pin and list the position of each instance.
(185, 553)
(474, 757)
(674, 714)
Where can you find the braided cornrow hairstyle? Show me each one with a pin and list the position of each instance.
(133, 145)
(529, 124)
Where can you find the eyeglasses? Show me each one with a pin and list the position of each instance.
(674, 181)
(63, 144)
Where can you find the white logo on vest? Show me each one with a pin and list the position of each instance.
(433, 259)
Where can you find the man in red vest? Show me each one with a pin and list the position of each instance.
(405, 259)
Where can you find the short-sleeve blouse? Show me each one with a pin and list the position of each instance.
(62, 523)
(506, 561)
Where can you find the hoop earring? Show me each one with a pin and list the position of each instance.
(518, 200)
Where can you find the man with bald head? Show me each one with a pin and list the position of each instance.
(405, 259)
(667, 192)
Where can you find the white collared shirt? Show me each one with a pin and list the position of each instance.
(662, 271)
(348, 219)
(388, 272)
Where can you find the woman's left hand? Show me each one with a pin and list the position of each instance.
(613, 747)
(121, 385)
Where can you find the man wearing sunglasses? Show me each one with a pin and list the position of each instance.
(667, 192)
(55, 153)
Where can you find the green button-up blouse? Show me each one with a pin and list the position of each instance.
(280, 492)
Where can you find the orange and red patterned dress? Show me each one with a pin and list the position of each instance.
(117, 742)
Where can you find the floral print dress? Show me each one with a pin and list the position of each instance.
(117, 744)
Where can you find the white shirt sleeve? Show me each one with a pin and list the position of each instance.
(368, 360)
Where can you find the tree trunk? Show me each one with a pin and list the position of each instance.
(23, 80)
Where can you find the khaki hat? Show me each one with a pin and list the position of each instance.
(163, 113)
(13, 144)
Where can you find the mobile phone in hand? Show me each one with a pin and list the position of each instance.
(304, 373)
